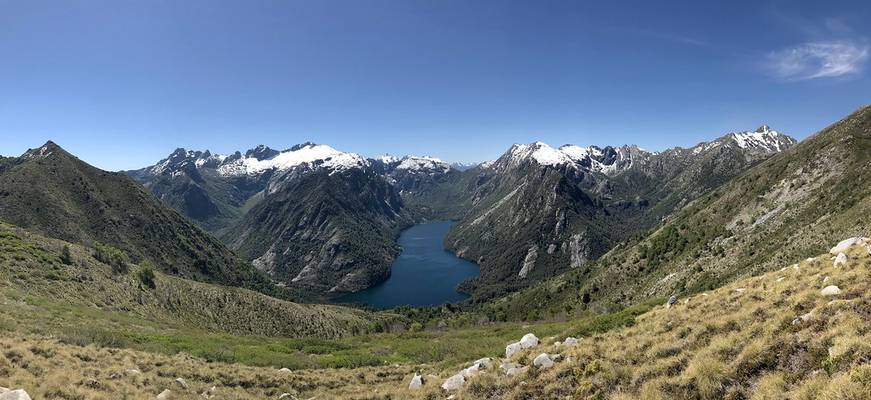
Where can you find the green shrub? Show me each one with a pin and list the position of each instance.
(146, 275)
(111, 256)
(66, 256)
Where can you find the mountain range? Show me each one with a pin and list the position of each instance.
(323, 221)
(687, 273)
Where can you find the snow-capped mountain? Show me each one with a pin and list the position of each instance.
(607, 160)
(538, 210)
(422, 164)
(570, 202)
(261, 159)
(612, 160)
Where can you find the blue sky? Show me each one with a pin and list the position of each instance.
(123, 83)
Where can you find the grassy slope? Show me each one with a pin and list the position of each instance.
(723, 343)
(54, 193)
(735, 342)
(57, 297)
(69, 331)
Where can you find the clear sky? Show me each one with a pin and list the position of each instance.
(123, 83)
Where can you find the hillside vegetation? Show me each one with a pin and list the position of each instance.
(774, 336)
(38, 279)
(779, 210)
(49, 191)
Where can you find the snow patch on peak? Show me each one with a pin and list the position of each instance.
(540, 152)
(308, 153)
(388, 159)
(763, 138)
(416, 163)
(41, 152)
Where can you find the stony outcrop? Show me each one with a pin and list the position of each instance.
(845, 244)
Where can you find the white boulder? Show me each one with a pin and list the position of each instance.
(509, 365)
(181, 382)
(512, 349)
(416, 382)
(543, 361)
(529, 341)
(285, 370)
(841, 259)
(570, 341)
(846, 243)
(484, 363)
(165, 395)
(18, 394)
(516, 371)
(471, 371)
(454, 383)
(830, 290)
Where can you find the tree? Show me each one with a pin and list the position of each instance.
(66, 256)
(146, 275)
(116, 258)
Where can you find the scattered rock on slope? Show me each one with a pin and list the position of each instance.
(830, 290)
(570, 341)
(529, 341)
(847, 243)
(416, 382)
(18, 394)
(543, 361)
(454, 383)
(841, 259)
(512, 349)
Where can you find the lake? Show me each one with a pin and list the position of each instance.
(424, 274)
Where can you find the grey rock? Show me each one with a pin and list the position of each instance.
(416, 382)
(543, 361)
(454, 383)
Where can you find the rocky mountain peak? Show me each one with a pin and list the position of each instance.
(763, 139)
(423, 163)
(261, 152)
(43, 151)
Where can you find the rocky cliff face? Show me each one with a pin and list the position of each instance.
(572, 204)
(310, 216)
(297, 213)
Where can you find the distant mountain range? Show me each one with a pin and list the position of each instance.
(323, 220)
(777, 211)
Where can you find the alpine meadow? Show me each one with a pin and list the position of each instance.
(389, 200)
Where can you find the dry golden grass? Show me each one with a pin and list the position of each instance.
(722, 344)
(736, 342)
